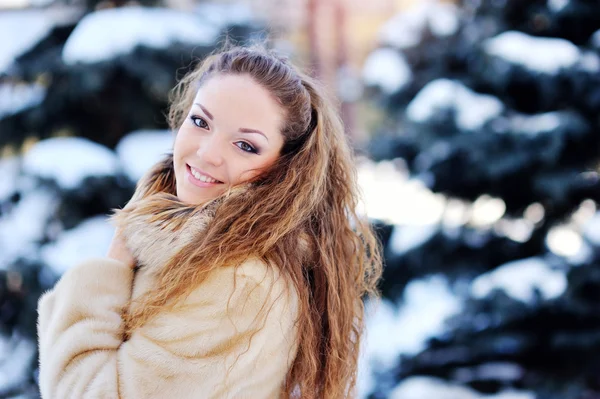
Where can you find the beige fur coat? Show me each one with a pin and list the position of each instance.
(213, 347)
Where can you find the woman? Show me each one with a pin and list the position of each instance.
(239, 265)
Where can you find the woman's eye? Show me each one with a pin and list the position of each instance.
(246, 147)
(198, 121)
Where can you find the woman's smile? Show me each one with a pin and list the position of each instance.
(199, 178)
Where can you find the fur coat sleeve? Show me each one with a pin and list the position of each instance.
(219, 344)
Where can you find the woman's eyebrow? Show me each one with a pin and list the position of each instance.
(246, 130)
(242, 129)
(205, 111)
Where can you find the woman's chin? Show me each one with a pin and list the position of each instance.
(194, 198)
(190, 199)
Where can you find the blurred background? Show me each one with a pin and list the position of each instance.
(477, 129)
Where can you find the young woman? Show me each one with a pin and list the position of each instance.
(239, 266)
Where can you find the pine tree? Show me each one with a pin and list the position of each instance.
(497, 102)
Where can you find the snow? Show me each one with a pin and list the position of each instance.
(473, 110)
(16, 360)
(23, 227)
(512, 394)
(589, 62)
(557, 5)
(430, 387)
(456, 214)
(543, 55)
(518, 229)
(90, 238)
(388, 69)
(26, 28)
(405, 238)
(392, 331)
(591, 230)
(17, 97)
(533, 125)
(503, 371)
(584, 255)
(223, 14)
(406, 28)
(596, 39)
(105, 34)
(9, 170)
(566, 241)
(140, 150)
(69, 160)
(390, 196)
(487, 210)
(519, 279)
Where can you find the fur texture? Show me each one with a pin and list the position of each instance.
(233, 337)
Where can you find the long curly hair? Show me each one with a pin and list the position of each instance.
(300, 215)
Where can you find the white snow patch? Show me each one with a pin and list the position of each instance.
(17, 97)
(406, 28)
(517, 229)
(503, 371)
(589, 62)
(388, 195)
(511, 394)
(472, 109)
(584, 255)
(225, 14)
(388, 69)
(9, 170)
(105, 34)
(544, 55)
(487, 210)
(405, 238)
(564, 240)
(430, 387)
(392, 331)
(596, 39)
(15, 362)
(69, 160)
(91, 238)
(140, 150)
(557, 5)
(23, 227)
(591, 229)
(23, 29)
(535, 124)
(520, 278)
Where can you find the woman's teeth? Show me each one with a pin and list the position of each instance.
(202, 177)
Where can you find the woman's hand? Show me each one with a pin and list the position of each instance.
(119, 251)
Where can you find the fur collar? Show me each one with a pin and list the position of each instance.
(155, 224)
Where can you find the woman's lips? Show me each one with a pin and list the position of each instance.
(199, 183)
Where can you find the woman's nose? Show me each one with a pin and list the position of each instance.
(211, 150)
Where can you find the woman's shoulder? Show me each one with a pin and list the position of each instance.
(250, 302)
(236, 330)
(253, 280)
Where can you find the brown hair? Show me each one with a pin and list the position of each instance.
(299, 215)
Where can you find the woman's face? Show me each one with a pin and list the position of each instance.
(230, 135)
